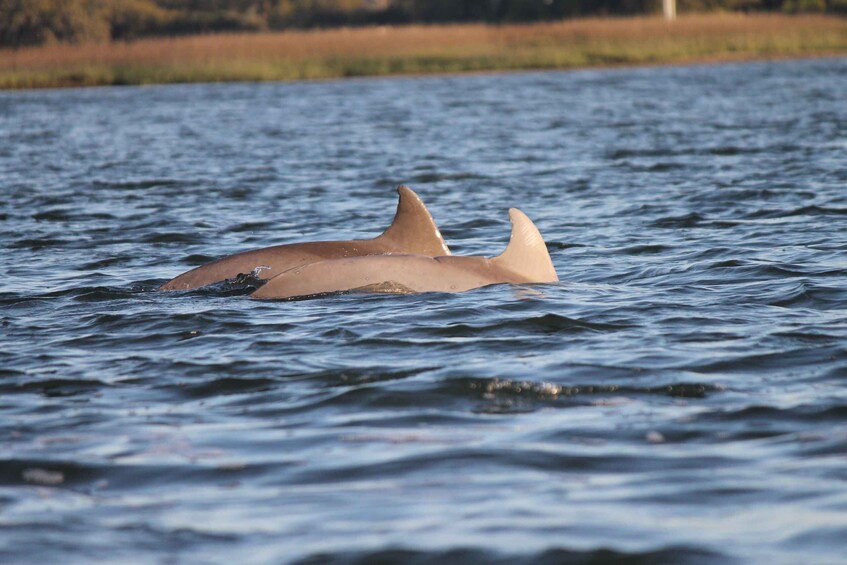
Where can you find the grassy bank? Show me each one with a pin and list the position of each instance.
(424, 49)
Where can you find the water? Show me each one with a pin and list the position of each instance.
(679, 397)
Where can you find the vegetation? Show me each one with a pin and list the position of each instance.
(423, 49)
(37, 22)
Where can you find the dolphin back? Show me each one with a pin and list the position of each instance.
(396, 274)
(412, 231)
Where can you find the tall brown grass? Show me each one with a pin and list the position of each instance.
(422, 49)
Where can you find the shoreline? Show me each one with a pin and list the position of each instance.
(416, 51)
(413, 76)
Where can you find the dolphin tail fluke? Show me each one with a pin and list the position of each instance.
(526, 255)
(413, 229)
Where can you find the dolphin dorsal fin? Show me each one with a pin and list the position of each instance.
(526, 255)
(413, 229)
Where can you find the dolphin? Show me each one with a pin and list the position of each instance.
(412, 231)
(525, 260)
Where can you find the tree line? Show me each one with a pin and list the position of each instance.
(35, 22)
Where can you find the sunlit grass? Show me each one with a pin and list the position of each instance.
(424, 49)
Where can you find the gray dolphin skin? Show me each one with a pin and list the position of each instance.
(412, 231)
(525, 260)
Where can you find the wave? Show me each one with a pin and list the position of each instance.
(461, 556)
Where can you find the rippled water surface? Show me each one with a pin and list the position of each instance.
(679, 397)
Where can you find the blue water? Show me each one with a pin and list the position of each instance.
(679, 397)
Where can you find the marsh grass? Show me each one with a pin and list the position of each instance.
(424, 49)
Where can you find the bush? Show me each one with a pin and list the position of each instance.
(129, 19)
(32, 22)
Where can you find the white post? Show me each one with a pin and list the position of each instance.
(669, 8)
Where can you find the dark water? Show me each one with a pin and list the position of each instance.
(680, 397)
